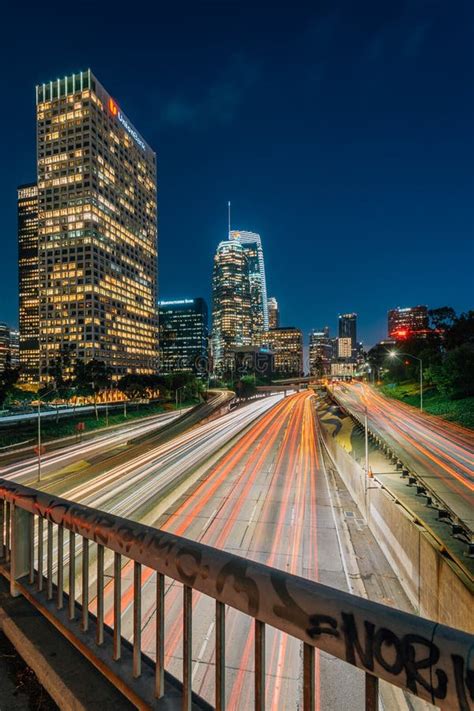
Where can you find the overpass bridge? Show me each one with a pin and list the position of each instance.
(47, 543)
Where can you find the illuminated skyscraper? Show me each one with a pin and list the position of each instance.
(273, 312)
(28, 281)
(96, 229)
(4, 346)
(348, 327)
(183, 335)
(287, 346)
(252, 245)
(231, 302)
(408, 322)
(320, 352)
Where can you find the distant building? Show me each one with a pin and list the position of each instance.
(408, 322)
(4, 346)
(231, 303)
(183, 335)
(287, 345)
(28, 281)
(343, 370)
(14, 348)
(273, 313)
(348, 328)
(252, 245)
(344, 348)
(320, 352)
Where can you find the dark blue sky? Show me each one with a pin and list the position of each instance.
(343, 132)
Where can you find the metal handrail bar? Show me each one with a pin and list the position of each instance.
(429, 659)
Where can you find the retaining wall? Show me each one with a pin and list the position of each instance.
(436, 587)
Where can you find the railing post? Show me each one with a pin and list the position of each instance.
(220, 656)
(371, 692)
(259, 665)
(21, 522)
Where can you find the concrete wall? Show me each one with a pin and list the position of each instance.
(435, 586)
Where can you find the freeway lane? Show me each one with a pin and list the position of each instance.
(266, 499)
(440, 452)
(25, 470)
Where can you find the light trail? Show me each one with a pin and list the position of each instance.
(440, 452)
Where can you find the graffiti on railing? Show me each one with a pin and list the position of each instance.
(431, 660)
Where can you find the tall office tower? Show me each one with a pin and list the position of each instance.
(320, 352)
(287, 346)
(28, 281)
(183, 335)
(408, 322)
(4, 346)
(252, 245)
(273, 313)
(348, 327)
(231, 308)
(97, 230)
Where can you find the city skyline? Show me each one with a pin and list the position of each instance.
(308, 197)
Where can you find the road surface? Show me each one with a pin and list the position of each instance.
(440, 452)
(266, 499)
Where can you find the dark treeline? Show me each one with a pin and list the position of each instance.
(447, 353)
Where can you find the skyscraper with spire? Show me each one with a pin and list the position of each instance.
(251, 243)
(231, 307)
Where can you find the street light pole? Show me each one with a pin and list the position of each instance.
(39, 431)
(366, 443)
(39, 439)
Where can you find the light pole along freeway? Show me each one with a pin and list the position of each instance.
(266, 499)
(440, 452)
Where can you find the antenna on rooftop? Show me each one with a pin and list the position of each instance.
(228, 217)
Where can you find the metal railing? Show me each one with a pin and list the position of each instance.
(423, 657)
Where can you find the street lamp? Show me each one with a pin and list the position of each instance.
(394, 354)
(180, 398)
(39, 429)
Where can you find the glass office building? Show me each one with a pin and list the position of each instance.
(183, 335)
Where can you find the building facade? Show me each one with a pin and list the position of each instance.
(408, 322)
(231, 304)
(320, 352)
(287, 346)
(14, 348)
(97, 230)
(183, 335)
(348, 327)
(4, 346)
(273, 313)
(28, 281)
(252, 245)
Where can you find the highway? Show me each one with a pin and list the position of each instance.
(25, 467)
(440, 452)
(267, 499)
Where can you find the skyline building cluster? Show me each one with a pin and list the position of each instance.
(88, 264)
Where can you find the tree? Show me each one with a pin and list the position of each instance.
(134, 386)
(461, 331)
(91, 378)
(442, 318)
(246, 387)
(454, 377)
(8, 378)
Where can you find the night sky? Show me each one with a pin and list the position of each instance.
(342, 132)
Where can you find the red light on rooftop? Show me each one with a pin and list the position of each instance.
(402, 333)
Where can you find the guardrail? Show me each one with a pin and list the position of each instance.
(459, 527)
(423, 657)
